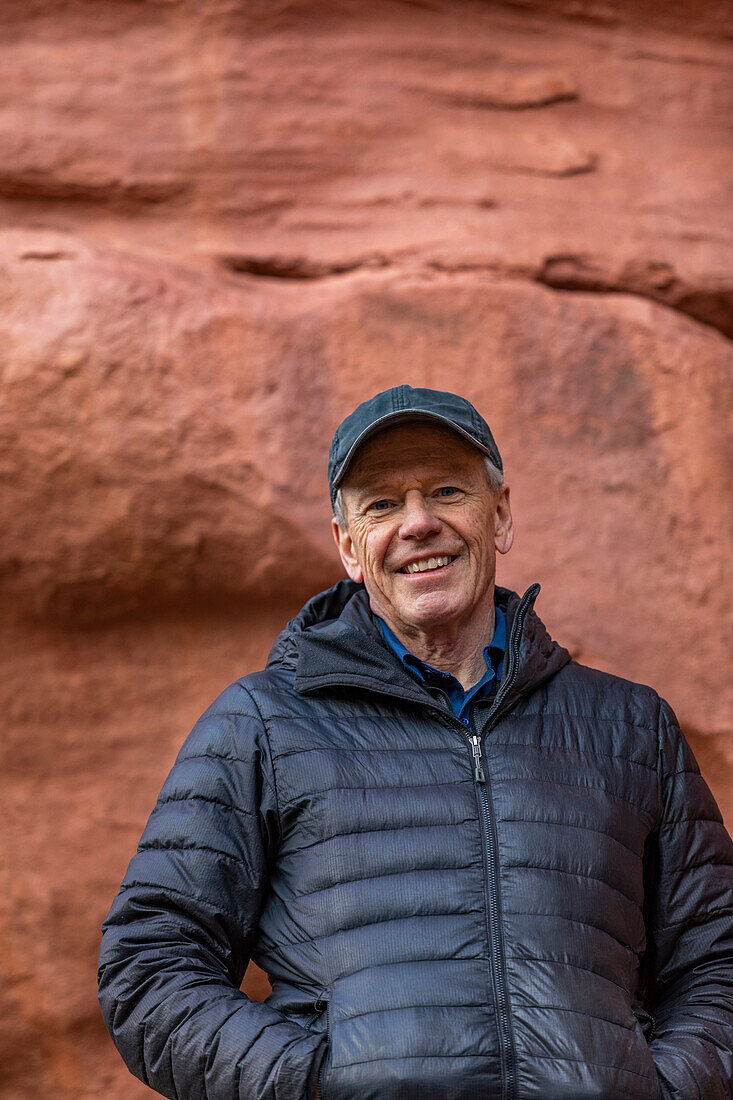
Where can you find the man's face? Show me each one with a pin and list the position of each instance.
(413, 493)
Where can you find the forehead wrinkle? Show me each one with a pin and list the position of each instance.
(410, 456)
(382, 473)
(394, 458)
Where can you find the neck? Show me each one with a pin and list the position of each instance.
(455, 648)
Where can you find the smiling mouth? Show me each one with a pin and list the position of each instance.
(428, 565)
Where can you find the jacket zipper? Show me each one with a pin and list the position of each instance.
(320, 1005)
(488, 826)
(488, 829)
(321, 1068)
(324, 999)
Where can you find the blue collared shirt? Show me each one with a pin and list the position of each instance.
(461, 701)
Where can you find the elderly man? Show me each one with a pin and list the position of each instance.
(471, 867)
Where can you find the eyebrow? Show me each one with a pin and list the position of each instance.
(362, 495)
(385, 488)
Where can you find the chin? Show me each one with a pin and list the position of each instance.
(430, 610)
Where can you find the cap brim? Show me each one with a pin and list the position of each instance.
(393, 418)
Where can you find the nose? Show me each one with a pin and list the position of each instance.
(417, 520)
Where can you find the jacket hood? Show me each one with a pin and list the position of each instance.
(335, 641)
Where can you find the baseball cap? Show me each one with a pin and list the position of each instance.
(406, 403)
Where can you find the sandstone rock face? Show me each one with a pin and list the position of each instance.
(223, 225)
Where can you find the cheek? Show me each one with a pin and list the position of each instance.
(362, 543)
(374, 558)
(375, 549)
(482, 547)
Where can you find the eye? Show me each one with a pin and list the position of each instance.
(380, 505)
(447, 490)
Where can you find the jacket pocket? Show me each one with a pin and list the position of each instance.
(645, 1021)
(324, 1017)
(317, 1020)
(647, 1027)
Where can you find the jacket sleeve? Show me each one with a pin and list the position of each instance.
(691, 930)
(178, 937)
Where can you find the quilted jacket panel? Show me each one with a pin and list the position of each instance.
(562, 930)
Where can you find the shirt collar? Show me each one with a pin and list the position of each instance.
(493, 653)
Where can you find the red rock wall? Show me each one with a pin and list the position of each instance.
(222, 224)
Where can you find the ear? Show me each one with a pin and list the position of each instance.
(503, 523)
(345, 547)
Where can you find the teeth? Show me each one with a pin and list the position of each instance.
(423, 566)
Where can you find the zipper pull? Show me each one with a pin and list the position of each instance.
(478, 771)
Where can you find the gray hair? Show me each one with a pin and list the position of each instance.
(494, 477)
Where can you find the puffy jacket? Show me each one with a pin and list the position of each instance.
(550, 920)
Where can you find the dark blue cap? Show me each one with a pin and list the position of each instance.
(406, 403)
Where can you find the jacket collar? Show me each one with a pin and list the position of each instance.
(334, 642)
